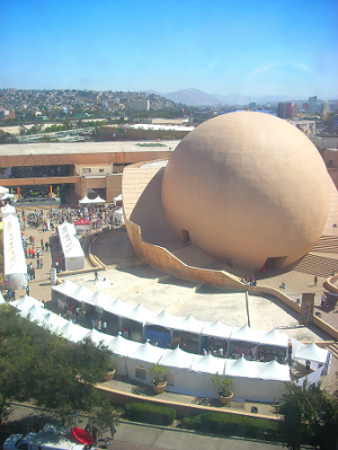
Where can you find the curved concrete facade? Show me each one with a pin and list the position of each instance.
(248, 187)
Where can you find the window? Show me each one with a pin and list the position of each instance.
(140, 373)
(101, 170)
(87, 170)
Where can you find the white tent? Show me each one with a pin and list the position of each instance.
(26, 302)
(118, 199)
(53, 322)
(118, 215)
(217, 329)
(201, 371)
(7, 209)
(34, 314)
(100, 338)
(121, 347)
(3, 190)
(245, 334)
(74, 333)
(15, 267)
(85, 201)
(165, 320)
(81, 294)
(177, 359)
(273, 371)
(311, 353)
(71, 247)
(141, 360)
(274, 338)
(99, 299)
(98, 199)
(190, 325)
(65, 288)
(241, 368)
(119, 308)
(138, 314)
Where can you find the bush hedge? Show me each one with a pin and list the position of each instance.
(147, 413)
(233, 425)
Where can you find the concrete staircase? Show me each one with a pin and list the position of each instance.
(317, 265)
(326, 244)
(333, 348)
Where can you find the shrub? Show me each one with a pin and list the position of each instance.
(232, 425)
(147, 413)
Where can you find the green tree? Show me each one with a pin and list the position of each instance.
(57, 375)
(310, 416)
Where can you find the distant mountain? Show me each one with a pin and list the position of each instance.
(192, 97)
(195, 97)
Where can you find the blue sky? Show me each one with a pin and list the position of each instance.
(248, 47)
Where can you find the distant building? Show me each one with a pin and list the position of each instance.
(139, 105)
(7, 114)
(313, 105)
(286, 110)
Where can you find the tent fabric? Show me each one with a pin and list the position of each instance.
(119, 198)
(100, 338)
(217, 329)
(138, 314)
(274, 338)
(99, 299)
(66, 288)
(147, 353)
(164, 319)
(34, 314)
(81, 294)
(118, 215)
(7, 209)
(241, 368)
(311, 352)
(190, 325)
(74, 333)
(98, 199)
(15, 267)
(3, 190)
(273, 371)
(177, 358)
(208, 364)
(85, 200)
(54, 322)
(119, 308)
(26, 302)
(71, 247)
(246, 334)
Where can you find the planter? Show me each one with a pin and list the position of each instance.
(109, 375)
(225, 400)
(160, 387)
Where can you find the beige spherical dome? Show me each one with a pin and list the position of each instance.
(247, 186)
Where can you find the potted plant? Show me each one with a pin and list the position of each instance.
(159, 381)
(223, 385)
(110, 372)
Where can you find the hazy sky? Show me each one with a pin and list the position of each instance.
(248, 47)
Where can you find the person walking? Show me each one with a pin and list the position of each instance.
(96, 276)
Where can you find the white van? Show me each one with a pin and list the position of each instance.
(49, 438)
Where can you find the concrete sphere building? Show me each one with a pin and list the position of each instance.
(248, 187)
(244, 187)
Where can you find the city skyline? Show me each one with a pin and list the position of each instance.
(251, 48)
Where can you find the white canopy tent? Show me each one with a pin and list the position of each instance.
(191, 325)
(34, 314)
(26, 302)
(85, 201)
(118, 200)
(74, 333)
(274, 338)
(318, 356)
(71, 247)
(164, 319)
(118, 215)
(7, 209)
(201, 371)
(121, 347)
(97, 200)
(54, 322)
(245, 334)
(15, 267)
(138, 314)
(217, 329)
(141, 360)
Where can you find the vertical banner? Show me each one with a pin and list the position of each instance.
(308, 303)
